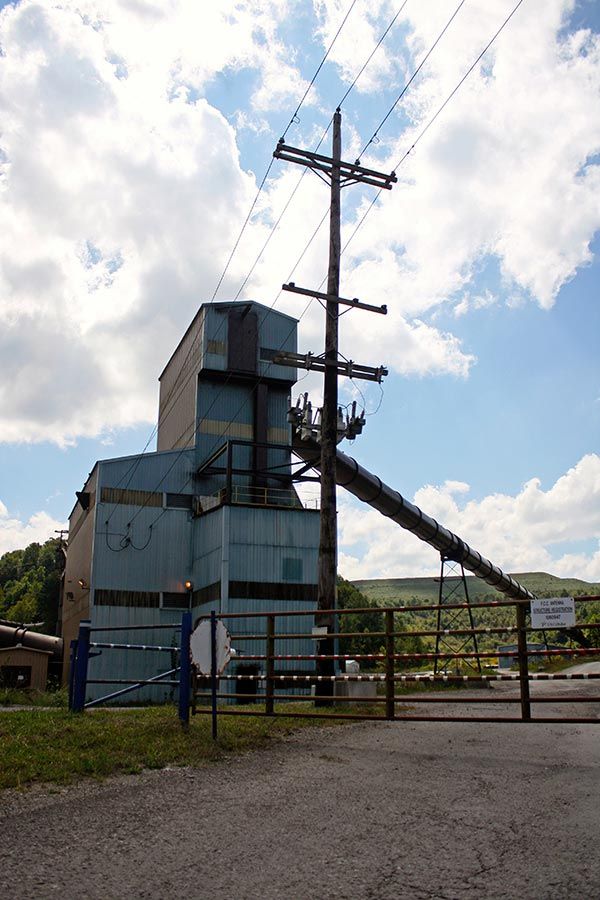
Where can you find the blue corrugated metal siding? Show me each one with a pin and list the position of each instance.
(223, 411)
(166, 471)
(163, 564)
(215, 329)
(276, 331)
(207, 549)
(287, 528)
(247, 544)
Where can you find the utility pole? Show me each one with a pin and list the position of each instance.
(340, 174)
(327, 577)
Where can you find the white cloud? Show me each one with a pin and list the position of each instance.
(518, 533)
(119, 201)
(122, 187)
(504, 172)
(16, 534)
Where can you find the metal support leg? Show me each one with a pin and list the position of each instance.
(81, 666)
(213, 672)
(185, 671)
(523, 662)
(389, 665)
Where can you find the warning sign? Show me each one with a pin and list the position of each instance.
(553, 612)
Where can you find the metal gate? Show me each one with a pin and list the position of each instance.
(285, 684)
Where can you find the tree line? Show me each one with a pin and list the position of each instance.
(30, 584)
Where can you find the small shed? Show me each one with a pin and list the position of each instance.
(24, 667)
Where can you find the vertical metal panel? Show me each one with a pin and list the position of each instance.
(157, 559)
(279, 430)
(276, 331)
(224, 411)
(78, 568)
(168, 471)
(242, 347)
(216, 337)
(284, 528)
(206, 549)
(177, 401)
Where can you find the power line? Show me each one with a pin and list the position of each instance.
(402, 159)
(433, 118)
(375, 136)
(258, 380)
(131, 471)
(372, 54)
(294, 118)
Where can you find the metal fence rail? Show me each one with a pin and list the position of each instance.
(372, 694)
(80, 656)
(270, 686)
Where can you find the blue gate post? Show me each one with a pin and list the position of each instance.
(185, 671)
(213, 671)
(72, 658)
(81, 666)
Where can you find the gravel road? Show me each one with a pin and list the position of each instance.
(378, 811)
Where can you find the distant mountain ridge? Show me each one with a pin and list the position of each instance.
(385, 590)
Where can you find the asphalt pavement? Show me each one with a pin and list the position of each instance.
(372, 810)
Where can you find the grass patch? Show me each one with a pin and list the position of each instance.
(56, 746)
(12, 697)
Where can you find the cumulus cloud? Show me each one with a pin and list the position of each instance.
(120, 194)
(518, 533)
(16, 534)
(123, 189)
(508, 170)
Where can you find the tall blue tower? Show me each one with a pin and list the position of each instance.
(215, 508)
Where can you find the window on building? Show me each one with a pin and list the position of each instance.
(178, 501)
(144, 599)
(176, 600)
(15, 676)
(292, 569)
(130, 498)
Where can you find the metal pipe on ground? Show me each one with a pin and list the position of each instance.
(390, 503)
(14, 635)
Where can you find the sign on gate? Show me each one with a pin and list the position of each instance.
(201, 650)
(553, 612)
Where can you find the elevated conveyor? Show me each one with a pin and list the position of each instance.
(372, 490)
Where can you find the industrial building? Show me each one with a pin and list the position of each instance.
(211, 520)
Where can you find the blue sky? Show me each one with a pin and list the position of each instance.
(134, 136)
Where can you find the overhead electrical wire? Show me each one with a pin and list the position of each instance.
(375, 136)
(294, 119)
(126, 538)
(320, 66)
(434, 117)
(372, 54)
(372, 203)
(131, 471)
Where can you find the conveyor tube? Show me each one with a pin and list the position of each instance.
(12, 636)
(372, 490)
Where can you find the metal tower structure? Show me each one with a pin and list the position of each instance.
(455, 624)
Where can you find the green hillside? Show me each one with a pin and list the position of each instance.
(400, 591)
(424, 591)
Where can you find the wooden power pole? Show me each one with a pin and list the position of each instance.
(340, 174)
